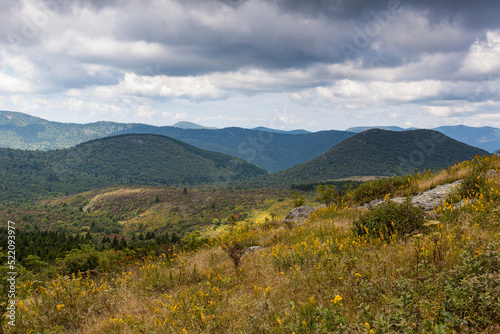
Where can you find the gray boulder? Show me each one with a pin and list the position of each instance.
(299, 214)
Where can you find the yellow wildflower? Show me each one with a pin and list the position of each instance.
(203, 317)
(337, 299)
(60, 307)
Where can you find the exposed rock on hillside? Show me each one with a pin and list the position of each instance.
(427, 200)
(299, 214)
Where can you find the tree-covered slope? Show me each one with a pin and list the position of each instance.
(376, 152)
(119, 160)
(25, 132)
(272, 151)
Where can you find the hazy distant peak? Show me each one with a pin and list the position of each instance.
(190, 125)
(291, 132)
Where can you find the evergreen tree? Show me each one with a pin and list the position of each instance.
(123, 243)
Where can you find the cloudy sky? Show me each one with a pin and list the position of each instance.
(287, 64)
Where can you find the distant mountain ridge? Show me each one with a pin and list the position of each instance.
(292, 132)
(190, 125)
(375, 152)
(132, 159)
(486, 137)
(270, 150)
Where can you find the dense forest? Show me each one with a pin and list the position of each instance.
(120, 160)
(375, 153)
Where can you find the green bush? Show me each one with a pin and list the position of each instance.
(378, 188)
(81, 260)
(34, 263)
(298, 199)
(193, 241)
(328, 195)
(389, 218)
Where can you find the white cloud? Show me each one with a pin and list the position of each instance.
(353, 91)
(180, 116)
(25, 104)
(438, 111)
(77, 45)
(484, 56)
(75, 104)
(146, 112)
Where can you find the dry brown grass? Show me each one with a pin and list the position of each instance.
(371, 276)
(442, 178)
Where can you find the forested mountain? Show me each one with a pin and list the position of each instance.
(269, 150)
(486, 137)
(120, 160)
(375, 153)
(25, 132)
(272, 151)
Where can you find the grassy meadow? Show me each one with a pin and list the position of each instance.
(389, 269)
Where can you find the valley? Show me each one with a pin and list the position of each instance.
(146, 232)
(311, 276)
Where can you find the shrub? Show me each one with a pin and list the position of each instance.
(81, 260)
(298, 199)
(193, 241)
(34, 263)
(327, 195)
(378, 188)
(389, 218)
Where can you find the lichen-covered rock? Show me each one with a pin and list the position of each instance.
(427, 200)
(299, 214)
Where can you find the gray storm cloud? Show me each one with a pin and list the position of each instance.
(335, 51)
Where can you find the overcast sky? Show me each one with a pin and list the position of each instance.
(286, 64)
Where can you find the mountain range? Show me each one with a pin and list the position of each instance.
(271, 149)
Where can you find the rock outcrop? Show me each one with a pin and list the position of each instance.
(299, 214)
(427, 200)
